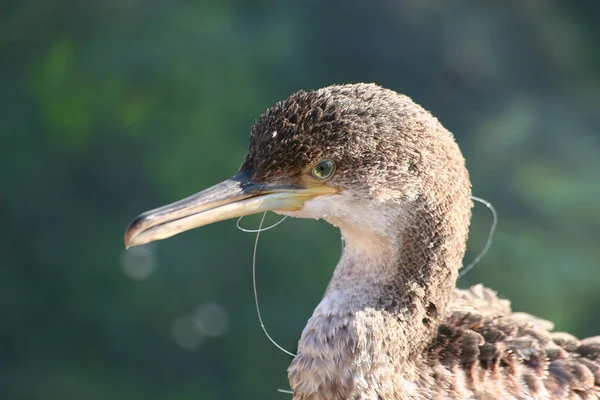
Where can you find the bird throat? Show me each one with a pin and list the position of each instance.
(381, 309)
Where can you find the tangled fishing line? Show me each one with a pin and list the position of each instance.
(260, 229)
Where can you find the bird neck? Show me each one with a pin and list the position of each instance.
(384, 302)
(407, 273)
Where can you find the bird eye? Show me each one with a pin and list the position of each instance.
(324, 170)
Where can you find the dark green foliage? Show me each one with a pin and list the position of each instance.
(109, 108)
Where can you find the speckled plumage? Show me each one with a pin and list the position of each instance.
(391, 324)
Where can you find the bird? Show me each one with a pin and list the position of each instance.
(392, 323)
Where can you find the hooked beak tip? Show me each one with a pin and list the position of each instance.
(134, 228)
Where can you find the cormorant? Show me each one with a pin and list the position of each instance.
(392, 324)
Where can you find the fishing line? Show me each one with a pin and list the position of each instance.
(258, 231)
(489, 205)
(343, 243)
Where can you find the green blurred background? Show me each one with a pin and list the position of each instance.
(112, 107)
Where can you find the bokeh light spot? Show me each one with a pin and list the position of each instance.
(139, 262)
(186, 334)
(211, 320)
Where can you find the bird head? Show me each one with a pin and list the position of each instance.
(355, 155)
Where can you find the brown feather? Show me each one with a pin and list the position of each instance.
(518, 355)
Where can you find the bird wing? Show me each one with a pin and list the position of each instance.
(484, 350)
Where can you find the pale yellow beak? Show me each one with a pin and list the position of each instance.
(235, 197)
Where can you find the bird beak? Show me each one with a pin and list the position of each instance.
(235, 197)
